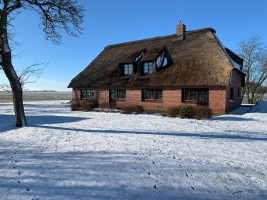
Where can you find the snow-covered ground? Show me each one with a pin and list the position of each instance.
(93, 155)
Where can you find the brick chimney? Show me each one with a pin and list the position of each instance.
(180, 29)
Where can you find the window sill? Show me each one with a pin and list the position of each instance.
(120, 99)
(89, 99)
(190, 102)
(152, 101)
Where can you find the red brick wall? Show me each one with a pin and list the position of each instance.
(173, 97)
(76, 95)
(218, 98)
(101, 95)
(235, 83)
(103, 98)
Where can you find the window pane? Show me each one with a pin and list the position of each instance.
(199, 95)
(87, 94)
(148, 67)
(121, 94)
(128, 69)
(231, 93)
(153, 94)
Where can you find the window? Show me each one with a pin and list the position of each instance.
(198, 95)
(162, 60)
(87, 94)
(152, 94)
(117, 94)
(121, 94)
(127, 69)
(148, 67)
(140, 56)
(231, 94)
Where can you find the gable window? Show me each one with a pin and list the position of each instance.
(140, 56)
(127, 69)
(152, 94)
(87, 94)
(231, 94)
(147, 67)
(162, 60)
(197, 95)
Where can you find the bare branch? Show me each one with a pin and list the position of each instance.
(58, 15)
(31, 73)
(254, 52)
(28, 75)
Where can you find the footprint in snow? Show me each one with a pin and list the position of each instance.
(192, 187)
(28, 189)
(186, 174)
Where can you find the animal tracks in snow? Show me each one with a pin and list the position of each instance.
(16, 166)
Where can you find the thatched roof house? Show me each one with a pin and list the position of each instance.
(194, 59)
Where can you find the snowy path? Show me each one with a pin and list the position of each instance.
(78, 155)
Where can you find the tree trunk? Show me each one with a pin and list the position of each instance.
(13, 80)
(16, 89)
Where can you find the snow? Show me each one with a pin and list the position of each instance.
(235, 65)
(97, 155)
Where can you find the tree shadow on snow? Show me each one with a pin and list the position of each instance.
(7, 122)
(176, 134)
(260, 107)
(231, 118)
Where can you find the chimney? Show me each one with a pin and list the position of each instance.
(180, 29)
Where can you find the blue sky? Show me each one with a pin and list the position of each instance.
(110, 22)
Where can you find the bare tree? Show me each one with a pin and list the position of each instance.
(31, 74)
(28, 75)
(55, 15)
(254, 52)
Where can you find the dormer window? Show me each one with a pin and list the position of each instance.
(127, 69)
(148, 67)
(161, 60)
(140, 56)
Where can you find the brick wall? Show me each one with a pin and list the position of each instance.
(218, 98)
(173, 97)
(103, 98)
(76, 95)
(235, 83)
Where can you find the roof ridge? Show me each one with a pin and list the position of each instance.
(158, 38)
(135, 41)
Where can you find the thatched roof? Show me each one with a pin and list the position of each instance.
(197, 59)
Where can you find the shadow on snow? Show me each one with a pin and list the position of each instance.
(8, 121)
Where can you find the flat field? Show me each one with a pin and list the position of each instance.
(37, 96)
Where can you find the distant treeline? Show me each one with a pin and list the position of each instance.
(38, 95)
